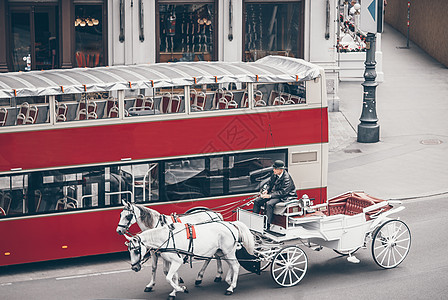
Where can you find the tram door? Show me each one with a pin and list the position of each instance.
(34, 38)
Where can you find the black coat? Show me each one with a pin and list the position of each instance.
(282, 188)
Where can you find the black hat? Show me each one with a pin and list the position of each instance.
(278, 164)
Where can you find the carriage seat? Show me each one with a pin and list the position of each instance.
(287, 208)
(350, 207)
(356, 206)
(353, 203)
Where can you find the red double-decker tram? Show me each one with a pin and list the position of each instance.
(74, 143)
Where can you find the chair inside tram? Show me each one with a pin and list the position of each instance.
(150, 101)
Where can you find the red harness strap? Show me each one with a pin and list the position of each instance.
(175, 219)
(191, 232)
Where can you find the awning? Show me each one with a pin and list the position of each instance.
(100, 79)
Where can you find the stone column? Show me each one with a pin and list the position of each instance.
(67, 23)
(3, 43)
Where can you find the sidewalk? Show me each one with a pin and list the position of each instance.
(411, 158)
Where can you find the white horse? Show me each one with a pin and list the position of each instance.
(147, 218)
(172, 243)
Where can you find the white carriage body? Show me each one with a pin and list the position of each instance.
(341, 232)
(345, 223)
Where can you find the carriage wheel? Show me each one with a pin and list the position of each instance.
(391, 243)
(265, 249)
(289, 266)
(265, 255)
(345, 253)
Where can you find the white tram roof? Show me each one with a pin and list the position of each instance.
(100, 79)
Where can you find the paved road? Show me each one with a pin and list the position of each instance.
(423, 275)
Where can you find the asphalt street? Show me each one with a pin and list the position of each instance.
(422, 275)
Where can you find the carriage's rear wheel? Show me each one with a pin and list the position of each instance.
(391, 243)
(289, 266)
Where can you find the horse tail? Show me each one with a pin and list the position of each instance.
(246, 237)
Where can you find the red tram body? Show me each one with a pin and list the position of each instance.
(172, 162)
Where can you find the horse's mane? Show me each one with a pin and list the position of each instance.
(148, 217)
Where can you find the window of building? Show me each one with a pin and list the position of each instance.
(186, 32)
(34, 36)
(273, 29)
(89, 36)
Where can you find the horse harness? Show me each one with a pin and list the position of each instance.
(191, 235)
(163, 218)
(176, 218)
(138, 250)
(128, 218)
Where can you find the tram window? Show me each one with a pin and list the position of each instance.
(154, 101)
(72, 189)
(215, 175)
(12, 194)
(185, 179)
(4, 111)
(250, 171)
(289, 93)
(138, 180)
(85, 106)
(208, 96)
(229, 96)
(201, 97)
(25, 111)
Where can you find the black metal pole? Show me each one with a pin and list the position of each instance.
(408, 23)
(368, 129)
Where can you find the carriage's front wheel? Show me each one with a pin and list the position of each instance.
(289, 266)
(391, 243)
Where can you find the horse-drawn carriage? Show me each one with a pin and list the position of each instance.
(345, 224)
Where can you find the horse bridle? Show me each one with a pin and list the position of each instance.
(138, 250)
(129, 218)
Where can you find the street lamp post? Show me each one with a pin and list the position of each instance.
(368, 129)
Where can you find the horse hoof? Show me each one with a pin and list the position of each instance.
(148, 289)
(197, 282)
(218, 279)
(181, 280)
(185, 290)
(228, 293)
